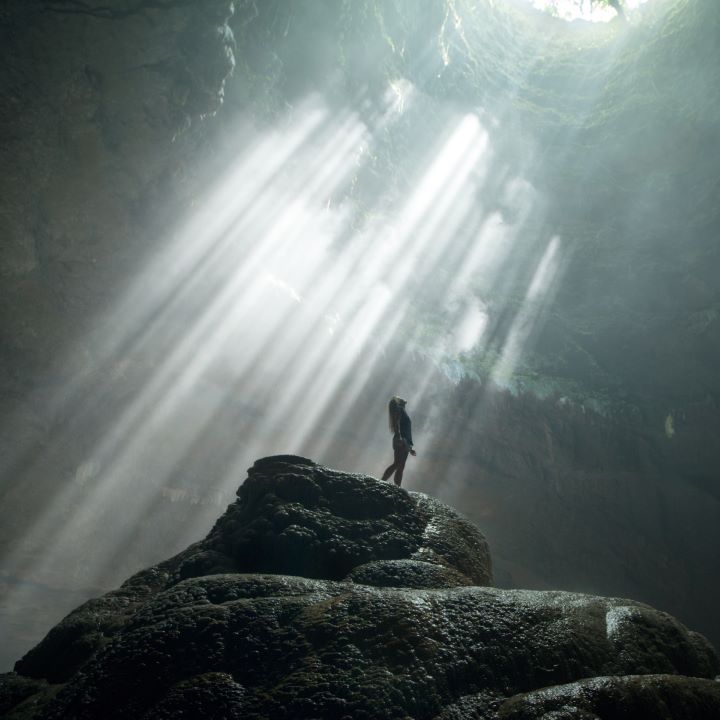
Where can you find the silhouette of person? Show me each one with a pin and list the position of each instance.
(401, 428)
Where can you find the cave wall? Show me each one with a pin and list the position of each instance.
(102, 104)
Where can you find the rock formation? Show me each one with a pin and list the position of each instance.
(327, 594)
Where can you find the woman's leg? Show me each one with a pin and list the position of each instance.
(401, 454)
(398, 447)
(400, 467)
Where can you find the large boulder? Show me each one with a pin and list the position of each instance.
(293, 517)
(327, 594)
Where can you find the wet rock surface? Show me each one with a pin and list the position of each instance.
(293, 517)
(298, 518)
(230, 628)
(651, 696)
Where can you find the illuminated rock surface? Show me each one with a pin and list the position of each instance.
(230, 628)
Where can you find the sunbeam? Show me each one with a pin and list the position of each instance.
(280, 313)
(269, 283)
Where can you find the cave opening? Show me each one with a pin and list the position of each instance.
(589, 10)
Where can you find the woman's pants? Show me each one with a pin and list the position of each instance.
(400, 451)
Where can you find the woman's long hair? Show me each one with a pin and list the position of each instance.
(394, 407)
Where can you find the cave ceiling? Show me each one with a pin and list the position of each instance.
(613, 127)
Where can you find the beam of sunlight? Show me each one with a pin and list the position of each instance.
(271, 288)
(433, 204)
(590, 10)
(155, 404)
(530, 313)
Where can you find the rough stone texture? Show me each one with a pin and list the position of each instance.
(407, 573)
(653, 697)
(293, 648)
(191, 638)
(18, 693)
(296, 518)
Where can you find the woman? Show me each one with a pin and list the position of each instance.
(400, 427)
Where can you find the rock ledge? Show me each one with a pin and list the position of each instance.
(323, 594)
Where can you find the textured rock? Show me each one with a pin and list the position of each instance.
(225, 629)
(295, 518)
(615, 698)
(283, 647)
(18, 693)
(407, 573)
